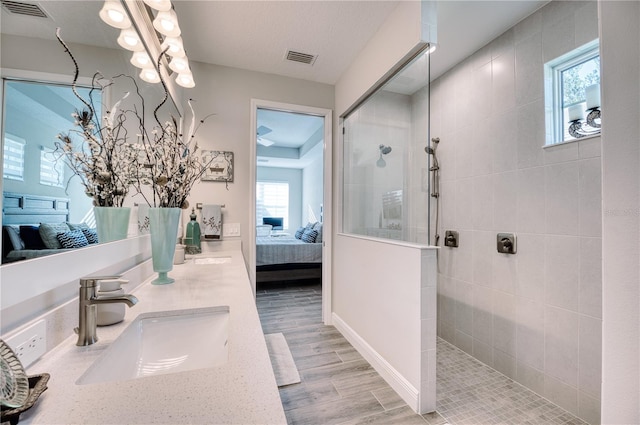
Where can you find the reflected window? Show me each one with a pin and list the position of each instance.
(13, 161)
(51, 170)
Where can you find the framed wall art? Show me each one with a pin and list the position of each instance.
(220, 166)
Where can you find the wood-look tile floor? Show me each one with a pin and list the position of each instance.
(338, 386)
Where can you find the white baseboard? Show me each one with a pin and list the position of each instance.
(398, 382)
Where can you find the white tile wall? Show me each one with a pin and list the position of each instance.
(534, 316)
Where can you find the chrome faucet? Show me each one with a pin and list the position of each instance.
(87, 320)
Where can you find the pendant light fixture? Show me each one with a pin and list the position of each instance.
(130, 40)
(114, 14)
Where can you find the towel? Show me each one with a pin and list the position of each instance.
(212, 221)
(143, 219)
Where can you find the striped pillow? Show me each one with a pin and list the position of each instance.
(309, 236)
(299, 233)
(90, 234)
(72, 239)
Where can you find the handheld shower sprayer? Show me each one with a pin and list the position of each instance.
(435, 180)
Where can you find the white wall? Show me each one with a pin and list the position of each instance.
(227, 92)
(293, 176)
(535, 316)
(620, 53)
(312, 190)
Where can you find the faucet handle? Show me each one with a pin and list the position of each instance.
(91, 281)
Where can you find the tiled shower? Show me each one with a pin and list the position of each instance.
(535, 316)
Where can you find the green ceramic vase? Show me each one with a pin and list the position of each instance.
(112, 223)
(163, 223)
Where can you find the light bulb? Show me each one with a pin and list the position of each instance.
(185, 80)
(113, 14)
(150, 75)
(166, 23)
(128, 39)
(161, 5)
(141, 60)
(179, 65)
(176, 48)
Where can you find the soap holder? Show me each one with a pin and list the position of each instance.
(37, 385)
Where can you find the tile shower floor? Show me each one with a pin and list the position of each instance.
(339, 387)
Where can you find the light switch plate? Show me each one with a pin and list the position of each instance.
(231, 229)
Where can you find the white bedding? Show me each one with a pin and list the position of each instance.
(286, 249)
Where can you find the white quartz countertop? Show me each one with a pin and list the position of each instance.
(242, 391)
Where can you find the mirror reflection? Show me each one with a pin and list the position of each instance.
(37, 188)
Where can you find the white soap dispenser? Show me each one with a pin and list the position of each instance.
(109, 314)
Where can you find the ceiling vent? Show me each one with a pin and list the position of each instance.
(20, 8)
(305, 58)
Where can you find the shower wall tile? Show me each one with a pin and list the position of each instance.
(482, 258)
(531, 128)
(591, 277)
(562, 271)
(504, 363)
(505, 271)
(590, 363)
(561, 347)
(529, 69)
(536, 315)
(504, 322)
(531, 261)
(503, 94)
(482, 193)
(505, 201)
(483, 352)
(530, 344)
(464, 204)
(481, 148)
(483, 315)
(464, 307)
(561, 394)
(562, 185)
(528, 27)
(590, 197)
(531, 200)
(504, 129)
(530, 377)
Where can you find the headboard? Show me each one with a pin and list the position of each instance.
(19, 208)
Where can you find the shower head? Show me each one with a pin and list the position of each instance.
(435, 140)
(385, 149)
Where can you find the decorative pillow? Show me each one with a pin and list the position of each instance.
(91, 235)
(72, 239)
(14, 237)
(309, 225)
(31, 237)
(49, 233)
(299, 233)
(309, 236)
(318, 228)
(79, 226)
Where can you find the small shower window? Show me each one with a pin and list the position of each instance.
(385, 194)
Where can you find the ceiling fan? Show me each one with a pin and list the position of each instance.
(262, 130)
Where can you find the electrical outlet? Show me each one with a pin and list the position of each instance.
(30, 344)
(231, 229)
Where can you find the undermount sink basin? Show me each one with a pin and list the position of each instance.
(164, 342)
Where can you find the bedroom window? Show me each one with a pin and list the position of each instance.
(272, 200)
(13, 162)
(51, 171)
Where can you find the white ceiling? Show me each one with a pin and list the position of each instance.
(255, 35)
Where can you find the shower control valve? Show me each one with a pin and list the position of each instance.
(451, 238)
(506, 243)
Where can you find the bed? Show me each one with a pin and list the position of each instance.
(282, 257)
(19, 209)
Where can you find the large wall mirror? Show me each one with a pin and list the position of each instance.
(37, 103)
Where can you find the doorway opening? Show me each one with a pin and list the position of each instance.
(291, 156)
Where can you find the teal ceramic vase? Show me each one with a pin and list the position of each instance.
(112, 223)
(163, 224)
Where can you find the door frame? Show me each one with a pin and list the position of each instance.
(327, 228)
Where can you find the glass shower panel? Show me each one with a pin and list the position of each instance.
(386, 168)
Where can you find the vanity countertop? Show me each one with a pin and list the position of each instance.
(243, 391)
